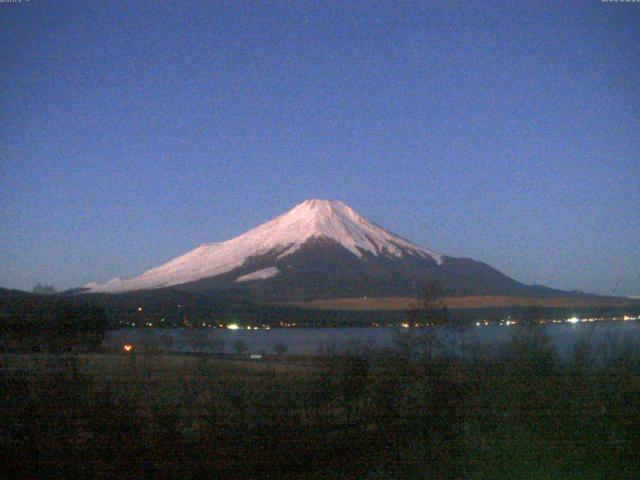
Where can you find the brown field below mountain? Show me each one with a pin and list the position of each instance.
(479, 301)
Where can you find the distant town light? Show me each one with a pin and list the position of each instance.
(127, 347)
(573, 320)
(233, 326)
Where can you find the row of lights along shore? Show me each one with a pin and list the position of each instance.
(506, 322)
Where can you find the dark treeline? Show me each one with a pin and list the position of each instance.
(172, 308)
(516, 412)
(39, 323)
(251, 314)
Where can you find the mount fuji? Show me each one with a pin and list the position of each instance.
(320, 249)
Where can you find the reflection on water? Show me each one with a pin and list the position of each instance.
(602, 336)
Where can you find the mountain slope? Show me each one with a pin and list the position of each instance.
(320, 249)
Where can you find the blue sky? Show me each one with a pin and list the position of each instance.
(132, 132)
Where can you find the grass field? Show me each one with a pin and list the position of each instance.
(115, 365)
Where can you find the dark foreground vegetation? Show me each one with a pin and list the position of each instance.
(47, 323)
(515, 412)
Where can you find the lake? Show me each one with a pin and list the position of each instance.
(605, 337)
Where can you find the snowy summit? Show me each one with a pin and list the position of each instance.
(310, 220)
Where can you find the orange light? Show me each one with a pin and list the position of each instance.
(128, 347)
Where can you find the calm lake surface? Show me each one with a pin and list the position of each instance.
(605, 337)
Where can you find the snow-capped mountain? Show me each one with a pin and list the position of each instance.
(282, 236)
(318, 249)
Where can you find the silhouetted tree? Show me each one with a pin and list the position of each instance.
(198, 339)
(166, 340)
(240, 346)
(431, 306)
(279, 348)
(429, 312)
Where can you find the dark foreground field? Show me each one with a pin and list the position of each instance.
(517, 413)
